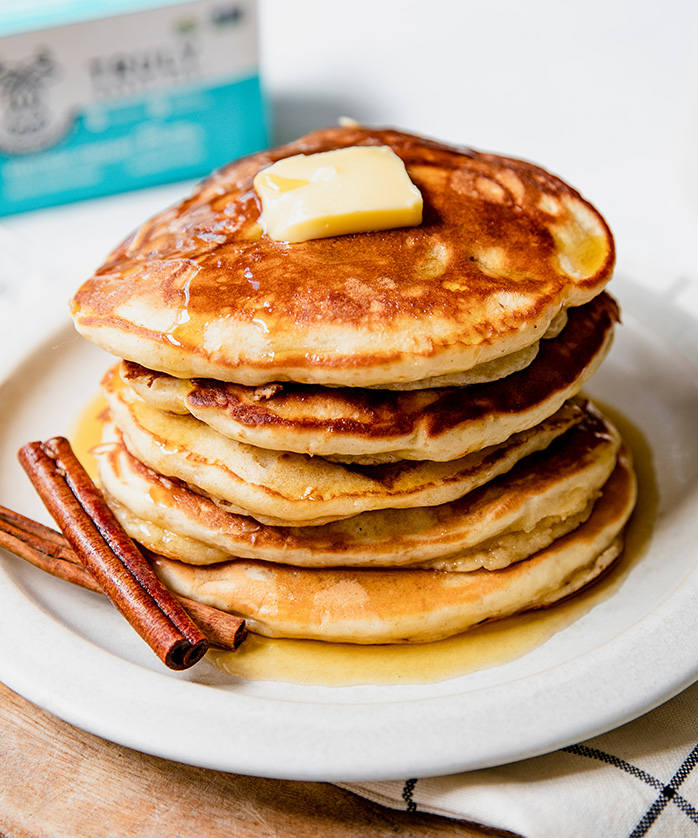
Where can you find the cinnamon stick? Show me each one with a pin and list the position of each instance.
(49, 551)
(112, 558)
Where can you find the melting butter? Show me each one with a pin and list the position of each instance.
(333, 193)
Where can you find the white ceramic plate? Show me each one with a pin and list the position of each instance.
(69, 652)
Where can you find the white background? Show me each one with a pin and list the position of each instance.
(603, 93)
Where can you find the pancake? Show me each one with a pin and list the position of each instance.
(199, 291)
(359, 425)
(541, 498)
(400, 606)
(486, 371)
(295, 489)
(366, 438)
(497, 552)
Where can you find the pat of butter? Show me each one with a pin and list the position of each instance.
(332, 193)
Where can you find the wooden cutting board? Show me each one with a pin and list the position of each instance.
(57, 781)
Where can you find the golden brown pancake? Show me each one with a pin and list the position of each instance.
(512, 516)
(405, 605)
(497, 552)
(361, 425)
(200, 291)
(295, 489)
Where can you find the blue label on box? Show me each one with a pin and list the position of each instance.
(141, 143)
(128, 102)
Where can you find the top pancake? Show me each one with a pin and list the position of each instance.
(199, 290)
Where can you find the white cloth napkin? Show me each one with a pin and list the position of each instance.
(637, 780)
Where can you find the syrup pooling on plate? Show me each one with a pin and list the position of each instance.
(492, 644)
(342, 664)
(87, 433)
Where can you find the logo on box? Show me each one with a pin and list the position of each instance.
(28, 122)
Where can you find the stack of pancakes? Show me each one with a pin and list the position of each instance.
(369, 438)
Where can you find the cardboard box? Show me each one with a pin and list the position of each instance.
(98, 98)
